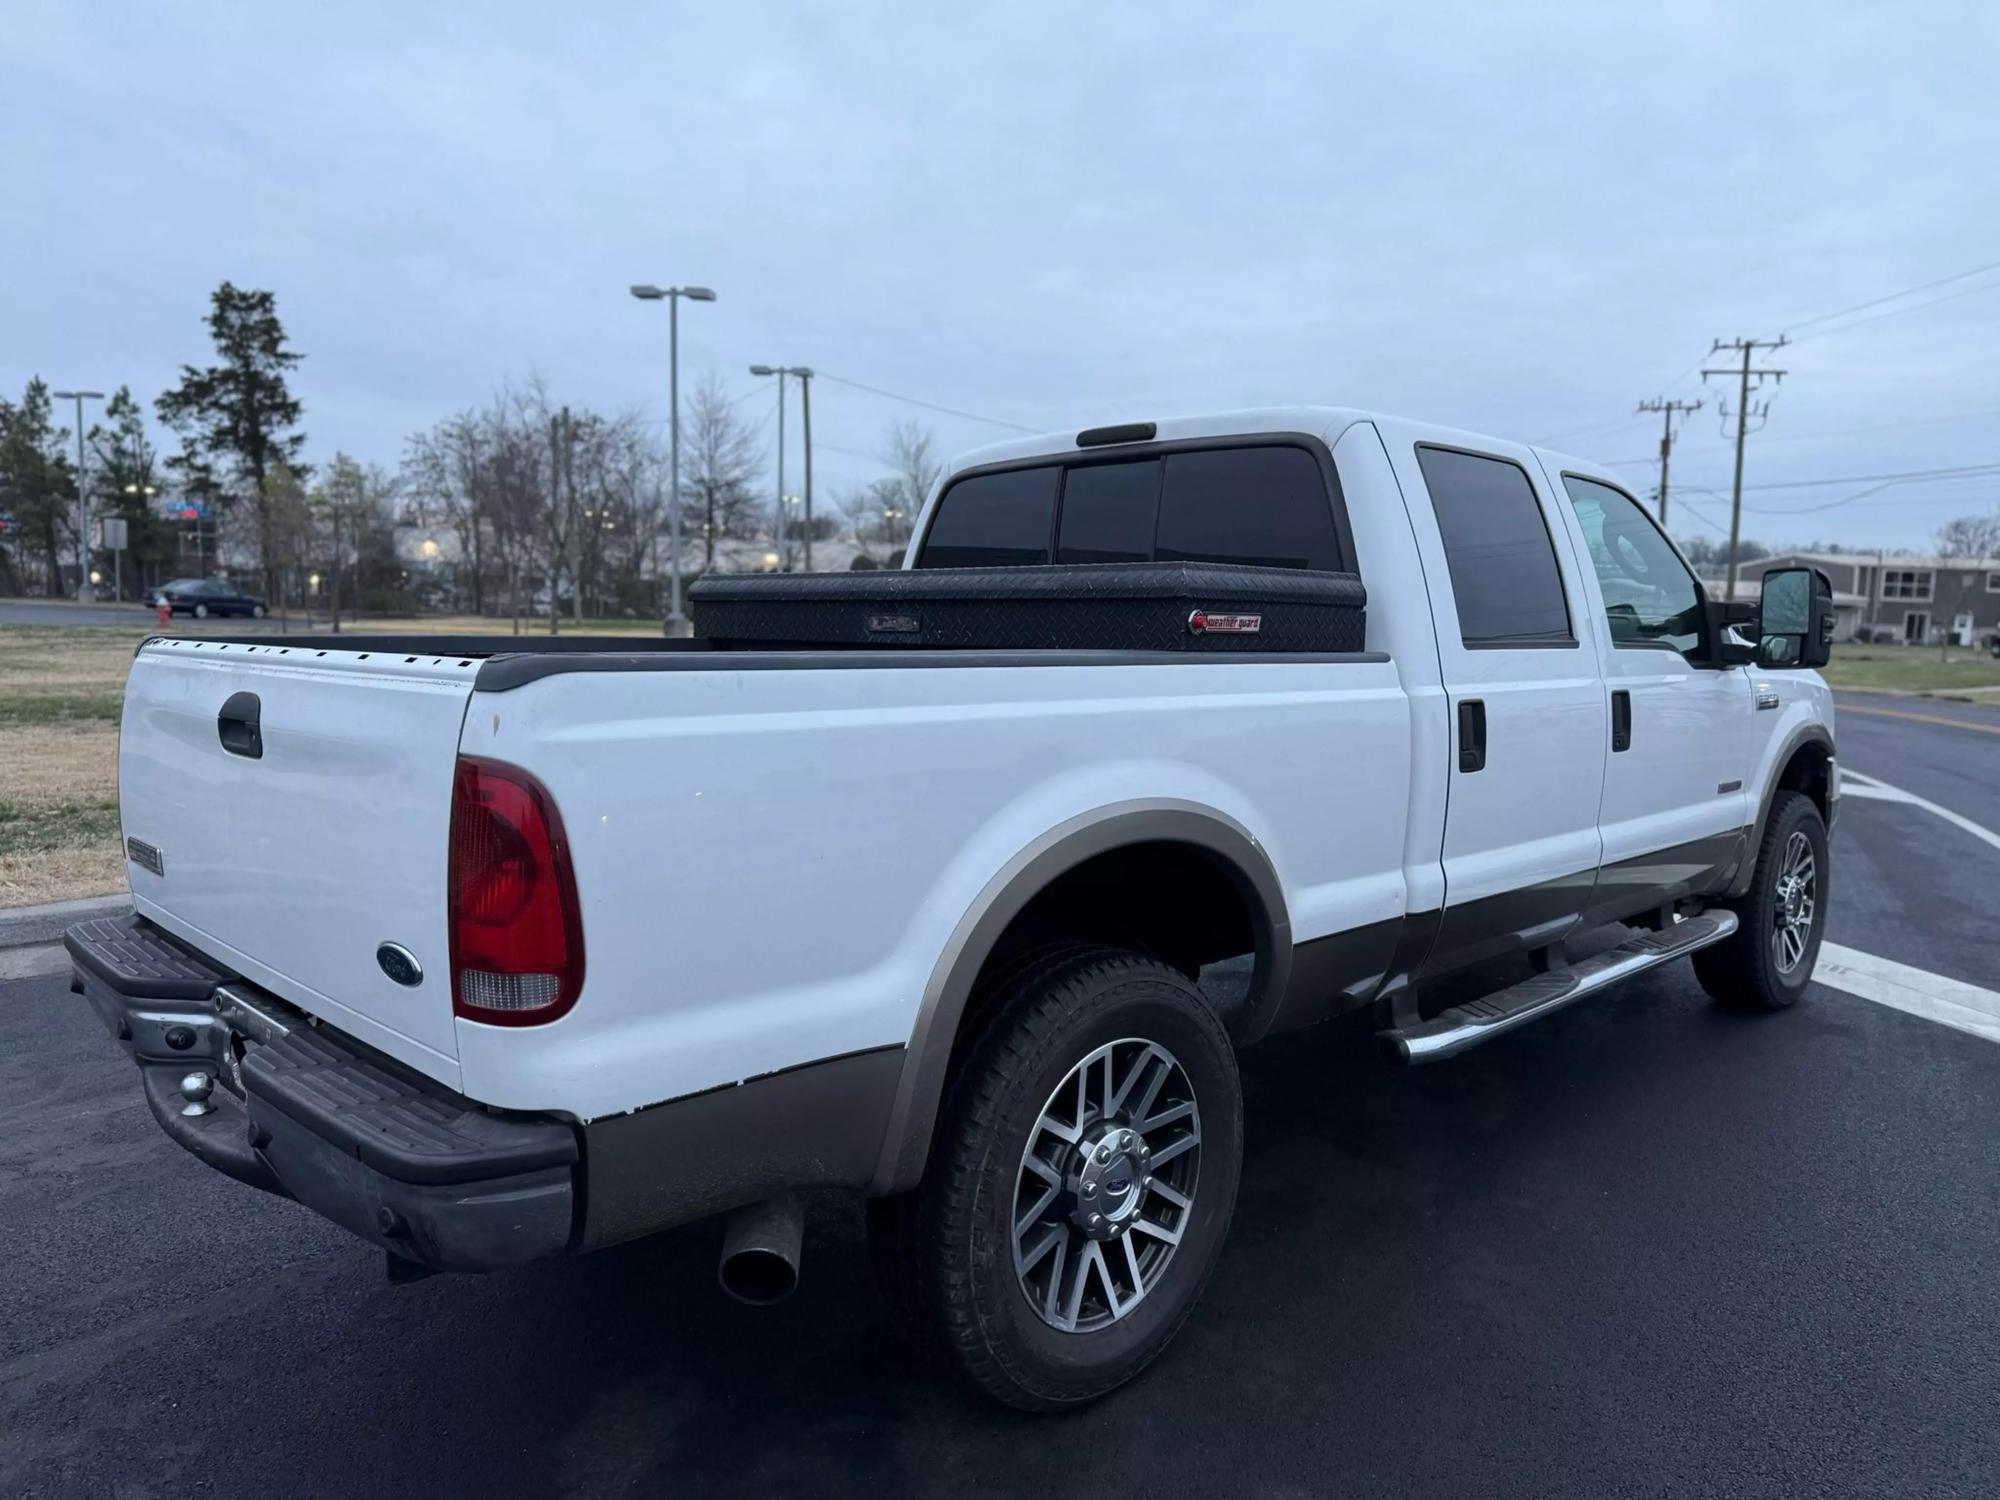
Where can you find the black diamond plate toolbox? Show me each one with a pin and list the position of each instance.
(1153, 606)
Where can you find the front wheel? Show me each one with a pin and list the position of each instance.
(256, 611)
(201, 611)
(1768, 962)
(1082, 1180)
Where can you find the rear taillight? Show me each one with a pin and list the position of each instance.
(516, 937)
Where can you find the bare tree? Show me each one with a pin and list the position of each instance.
(1973, 538)
(879, 516)
(719, 465)
(915, 467)
(446, 479)
(543, 495)
(352, 509)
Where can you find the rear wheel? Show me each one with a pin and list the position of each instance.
(1768, 962)
(256, 611)
(1081, 1184)
(201, 611)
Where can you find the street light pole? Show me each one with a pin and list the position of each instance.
(804, 375)
(82, 492)
(676, 622)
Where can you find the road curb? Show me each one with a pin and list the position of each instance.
(24, 926)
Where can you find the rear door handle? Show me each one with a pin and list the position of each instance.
(1621, 720)
(1471, 734)
(240, 726)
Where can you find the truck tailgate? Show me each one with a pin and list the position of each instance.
(294, 852)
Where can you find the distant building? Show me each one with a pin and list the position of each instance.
(1899, 596)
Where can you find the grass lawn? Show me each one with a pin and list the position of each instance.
(61, 688)
(1911, 669)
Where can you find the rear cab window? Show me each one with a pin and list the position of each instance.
(1504, 575)
(996, 520)
(1268, 503)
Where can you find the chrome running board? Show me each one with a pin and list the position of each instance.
(1476, 1021)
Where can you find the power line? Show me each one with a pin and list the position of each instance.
(1895, 296)
(1806, 484)
(1667, 387)
(950, 411)
(1912, 307)
(1857, 496)
(1564, 437)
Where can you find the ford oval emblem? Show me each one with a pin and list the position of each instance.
(400, 964)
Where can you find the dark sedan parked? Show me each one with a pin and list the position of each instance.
(202, 597)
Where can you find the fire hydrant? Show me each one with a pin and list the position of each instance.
(166, 613)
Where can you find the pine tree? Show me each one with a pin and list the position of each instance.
(239, 415)
(37, 483)
(124, 478)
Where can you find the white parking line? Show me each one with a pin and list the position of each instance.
(1854, 784)
(1950, 1002)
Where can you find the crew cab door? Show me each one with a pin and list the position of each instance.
(1675, 804)
(1529, 718)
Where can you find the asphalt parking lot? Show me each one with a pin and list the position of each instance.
(1641, 1247)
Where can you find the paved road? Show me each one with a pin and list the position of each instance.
(1943, 750)
(50, 612)
(1641, 1247)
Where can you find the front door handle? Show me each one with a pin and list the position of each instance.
(1621, 720)
(1471, 734)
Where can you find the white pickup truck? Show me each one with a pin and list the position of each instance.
(490, 952)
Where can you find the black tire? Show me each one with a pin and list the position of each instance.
(1746, 971)
(952, 1242)
(201, 611)
(256, 611)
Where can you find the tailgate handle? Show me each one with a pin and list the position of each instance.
(238, 726)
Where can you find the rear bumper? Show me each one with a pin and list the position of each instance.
(298, 1109)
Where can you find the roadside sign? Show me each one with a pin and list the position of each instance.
(110, 533)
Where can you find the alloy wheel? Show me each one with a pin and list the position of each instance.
(1106, 1185)
(1795, 903)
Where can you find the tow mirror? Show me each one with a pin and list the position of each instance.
(1795, 619)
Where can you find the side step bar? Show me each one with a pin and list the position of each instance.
(1476, 1021)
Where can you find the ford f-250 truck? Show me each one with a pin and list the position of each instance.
(490, 952)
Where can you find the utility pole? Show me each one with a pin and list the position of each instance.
(1745, 374)
(83, 590)
(1661, 404)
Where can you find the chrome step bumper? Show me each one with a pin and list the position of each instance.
(1463, 1026)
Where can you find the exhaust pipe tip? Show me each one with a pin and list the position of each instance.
(759, 1277)
(760, 1251)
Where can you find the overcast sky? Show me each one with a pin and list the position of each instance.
(1518, 219)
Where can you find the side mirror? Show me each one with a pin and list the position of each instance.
(1795, 619)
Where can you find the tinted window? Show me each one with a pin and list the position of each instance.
(1108, 511)
(1649, 596)
(993, 521)
(1503, 565)
(1247, 505)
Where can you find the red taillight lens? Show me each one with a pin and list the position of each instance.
(516, 937)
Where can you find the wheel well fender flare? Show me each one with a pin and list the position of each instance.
(926, 1060)
(1805, 735)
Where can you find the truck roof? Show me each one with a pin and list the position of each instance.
(1316, 420)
